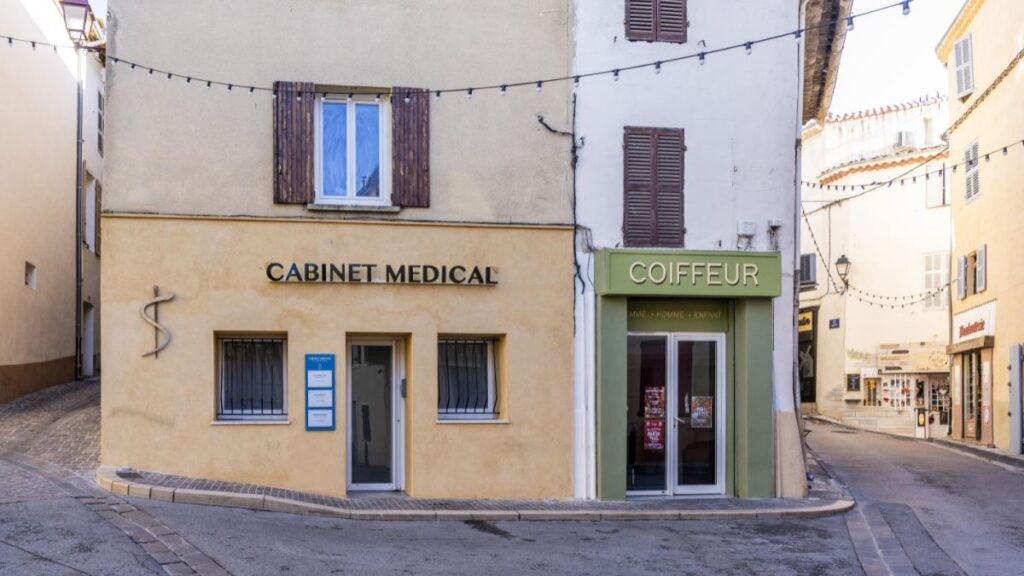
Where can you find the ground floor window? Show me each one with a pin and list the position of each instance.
(467, 386)
(251, 378)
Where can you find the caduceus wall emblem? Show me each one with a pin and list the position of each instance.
(154, 321)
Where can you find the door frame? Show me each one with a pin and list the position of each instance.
(672, 486)
(397, 416)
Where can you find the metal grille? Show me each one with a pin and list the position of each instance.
(251, 378)
(466, 378)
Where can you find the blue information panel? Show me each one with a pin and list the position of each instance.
(320, 392)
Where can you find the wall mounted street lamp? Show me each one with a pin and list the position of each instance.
(843, 268)
(77, 19)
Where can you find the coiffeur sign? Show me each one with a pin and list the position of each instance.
(689, 273)
(355, 273)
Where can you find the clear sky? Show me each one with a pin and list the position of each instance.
(890, 57)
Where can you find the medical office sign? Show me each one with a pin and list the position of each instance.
(362, 273)
(710, 274)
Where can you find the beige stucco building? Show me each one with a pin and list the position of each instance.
(871, 347)
(982, 51)
(372, 288)
(38, 111)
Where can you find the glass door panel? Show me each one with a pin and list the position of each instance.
(696, 425)
(371, 416)
(646, 414)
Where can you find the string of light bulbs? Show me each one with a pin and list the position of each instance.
(864, 296)
(469, 91)
(908, 175)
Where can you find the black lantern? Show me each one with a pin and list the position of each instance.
(77, 18)
(843, 268)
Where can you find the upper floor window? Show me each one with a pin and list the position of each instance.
(964, 54)
(333, 148)
(653, 195)
(99, 122)
(972, 272)
(971, 171)
(352, 150)
(808, 272)
(936, 194)
(656, 20)
(936, 276)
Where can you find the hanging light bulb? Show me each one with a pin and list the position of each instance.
(251, 90)
(504, 90)
(376, 98)
(188, 80)
(437, 96)
(615, 75)
(849, 23)
(168, 75)
(749, 47)
(657, 67)
(469, 94)
(576, 81)
(540, 86)
(700, 57)
(407, 98)
(797, 34)
(350, 98)
(906, 7)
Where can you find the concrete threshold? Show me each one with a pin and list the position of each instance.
(108, 479)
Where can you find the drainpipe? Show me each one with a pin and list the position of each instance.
(80, 73)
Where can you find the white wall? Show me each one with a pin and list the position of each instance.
(740, 114)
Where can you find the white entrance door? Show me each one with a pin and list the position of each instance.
(375, 415)
(676, 414)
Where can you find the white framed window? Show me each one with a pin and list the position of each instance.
(251, 378)
(808, 272)
(972, 184)
(964, 54)
(467, 382)
(353, 150)
(936, 276)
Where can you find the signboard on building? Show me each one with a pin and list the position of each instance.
(975, 323)
(912, 357)
(320, 404)
(721, 274)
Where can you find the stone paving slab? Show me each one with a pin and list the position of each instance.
(396, 507)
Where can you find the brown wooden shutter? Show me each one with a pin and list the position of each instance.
(638, 196)
(668, 188)
(641, 20)
(293, 142)
(410, 147)
(671, 22)
(653, 195)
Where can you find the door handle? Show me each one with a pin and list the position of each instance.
(681, 421)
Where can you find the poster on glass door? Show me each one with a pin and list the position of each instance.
(654, 435)
(701, 411)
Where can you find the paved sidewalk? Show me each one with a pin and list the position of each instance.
(397, 507)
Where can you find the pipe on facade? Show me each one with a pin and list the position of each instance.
(80, 73)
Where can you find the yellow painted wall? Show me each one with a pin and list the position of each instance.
(37, 222)
(154, 408)
(186, 149)
(994, 217)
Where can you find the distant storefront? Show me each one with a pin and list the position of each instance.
(973, 343)
(807, 354)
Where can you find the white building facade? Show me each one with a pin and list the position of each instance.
(873, 331)
(686, 177)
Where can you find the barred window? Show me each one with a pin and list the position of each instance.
(466, 379)
(251, 379)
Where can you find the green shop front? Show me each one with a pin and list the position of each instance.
(684, 373)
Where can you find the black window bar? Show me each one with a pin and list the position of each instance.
(466, 379)
(251, 378)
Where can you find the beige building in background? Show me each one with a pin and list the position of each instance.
(871, 347)
(982, 52)
(38, 112)
(372, 289)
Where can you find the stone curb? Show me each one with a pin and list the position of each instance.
(109, 481)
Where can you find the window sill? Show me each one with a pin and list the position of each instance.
(250, 422)
(367, 208)
(472, 421)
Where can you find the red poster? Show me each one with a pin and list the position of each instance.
(654, 403)
(654, 434)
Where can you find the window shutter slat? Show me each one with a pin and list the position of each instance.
(293, 143)
(641, 20)
(668, 165)
(638, 195)
(671, 22)
(410, 147)
(980, 277)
